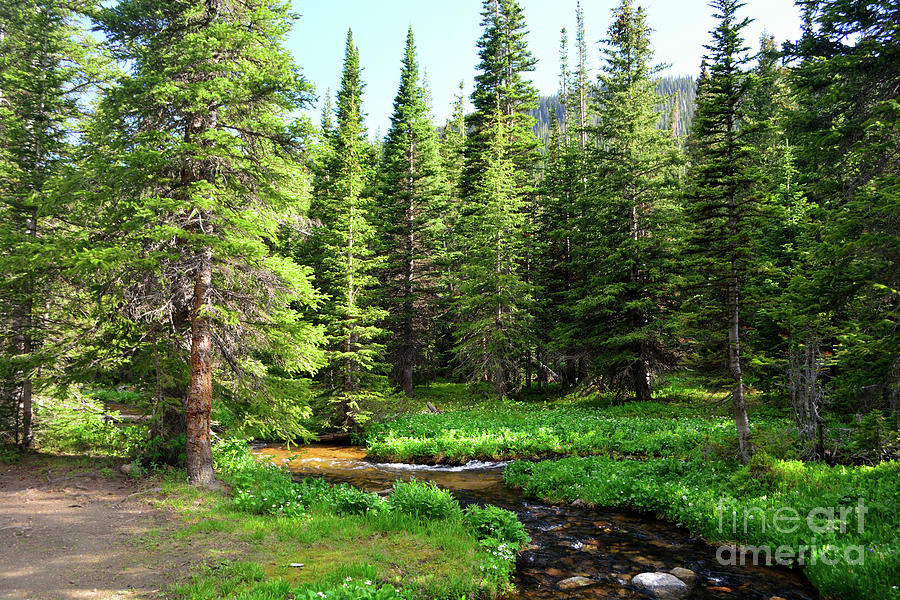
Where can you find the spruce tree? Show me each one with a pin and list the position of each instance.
(721, 206)
(193, 170)
(493, 325)
(846, 130)
(628, 219)
(46, 63)
(341, 250)
(554, 228)
(494, 306)
(410, 196)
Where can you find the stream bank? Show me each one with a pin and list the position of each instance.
(605, 549)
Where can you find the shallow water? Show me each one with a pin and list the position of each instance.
(608, 547)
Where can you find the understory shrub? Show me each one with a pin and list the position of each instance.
(492, 522)
(83, 425)
(423, 500)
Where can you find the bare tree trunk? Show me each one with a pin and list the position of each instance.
(199, 401)
(640, 377)
(28, 344)
(734, 364)
(528, 369)
(807, 393)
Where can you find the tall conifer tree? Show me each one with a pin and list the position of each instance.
(342, 251)
(494, 308)
(44, 65)
(410, 196)
(847, 130)
(721, 206)
(628, 219)
(194, 156)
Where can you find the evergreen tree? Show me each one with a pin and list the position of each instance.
(493, 326)
(494, 306)
(194, 168)
(628, 219)
(410, 196)
(554, 227)
(341, 249)
(846, 130)
(721, 206)
(448, 259)
(46, 63)
(580, 94)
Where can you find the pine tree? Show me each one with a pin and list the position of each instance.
(846, 131)
(493, 327)
(628, 219)
(195, 167)
(341, 249)
(411, 193)
(721, 204)
(494, 306)
(554, 228)
(45, 60)
(580, 94)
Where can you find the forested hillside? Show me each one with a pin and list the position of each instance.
(676, 104)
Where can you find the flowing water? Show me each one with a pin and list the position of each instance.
(609, 547)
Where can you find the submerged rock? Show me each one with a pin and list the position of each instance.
(686, 575)
(662, 585)
(574, 582)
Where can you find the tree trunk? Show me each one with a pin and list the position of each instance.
(28, 344)
(406, 380)
(734, 365)
(640, 377)
(199, 402)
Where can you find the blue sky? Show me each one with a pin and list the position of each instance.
(446, 32)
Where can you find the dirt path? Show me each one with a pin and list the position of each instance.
(72, 531)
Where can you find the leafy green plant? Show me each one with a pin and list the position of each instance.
(517, 430)
(492, 522)
(10, 454)
(422, 499)
(267, 490)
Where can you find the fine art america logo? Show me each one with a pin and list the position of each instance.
(821, 520)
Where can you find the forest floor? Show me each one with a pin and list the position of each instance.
(75, 527)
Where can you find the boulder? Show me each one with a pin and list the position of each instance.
(574, 582)
(664, 586)
(686, 575)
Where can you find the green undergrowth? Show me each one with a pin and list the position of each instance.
(415, 543)
(521, 430)
(551, 422)
(767, 504)
(82, 423)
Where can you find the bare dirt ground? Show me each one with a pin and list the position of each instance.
(73, 529)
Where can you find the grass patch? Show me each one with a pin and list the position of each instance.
(703, 496)
(415, 545)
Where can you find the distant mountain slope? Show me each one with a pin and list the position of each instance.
(681, 88)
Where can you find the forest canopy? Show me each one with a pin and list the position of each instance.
(169, 227)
